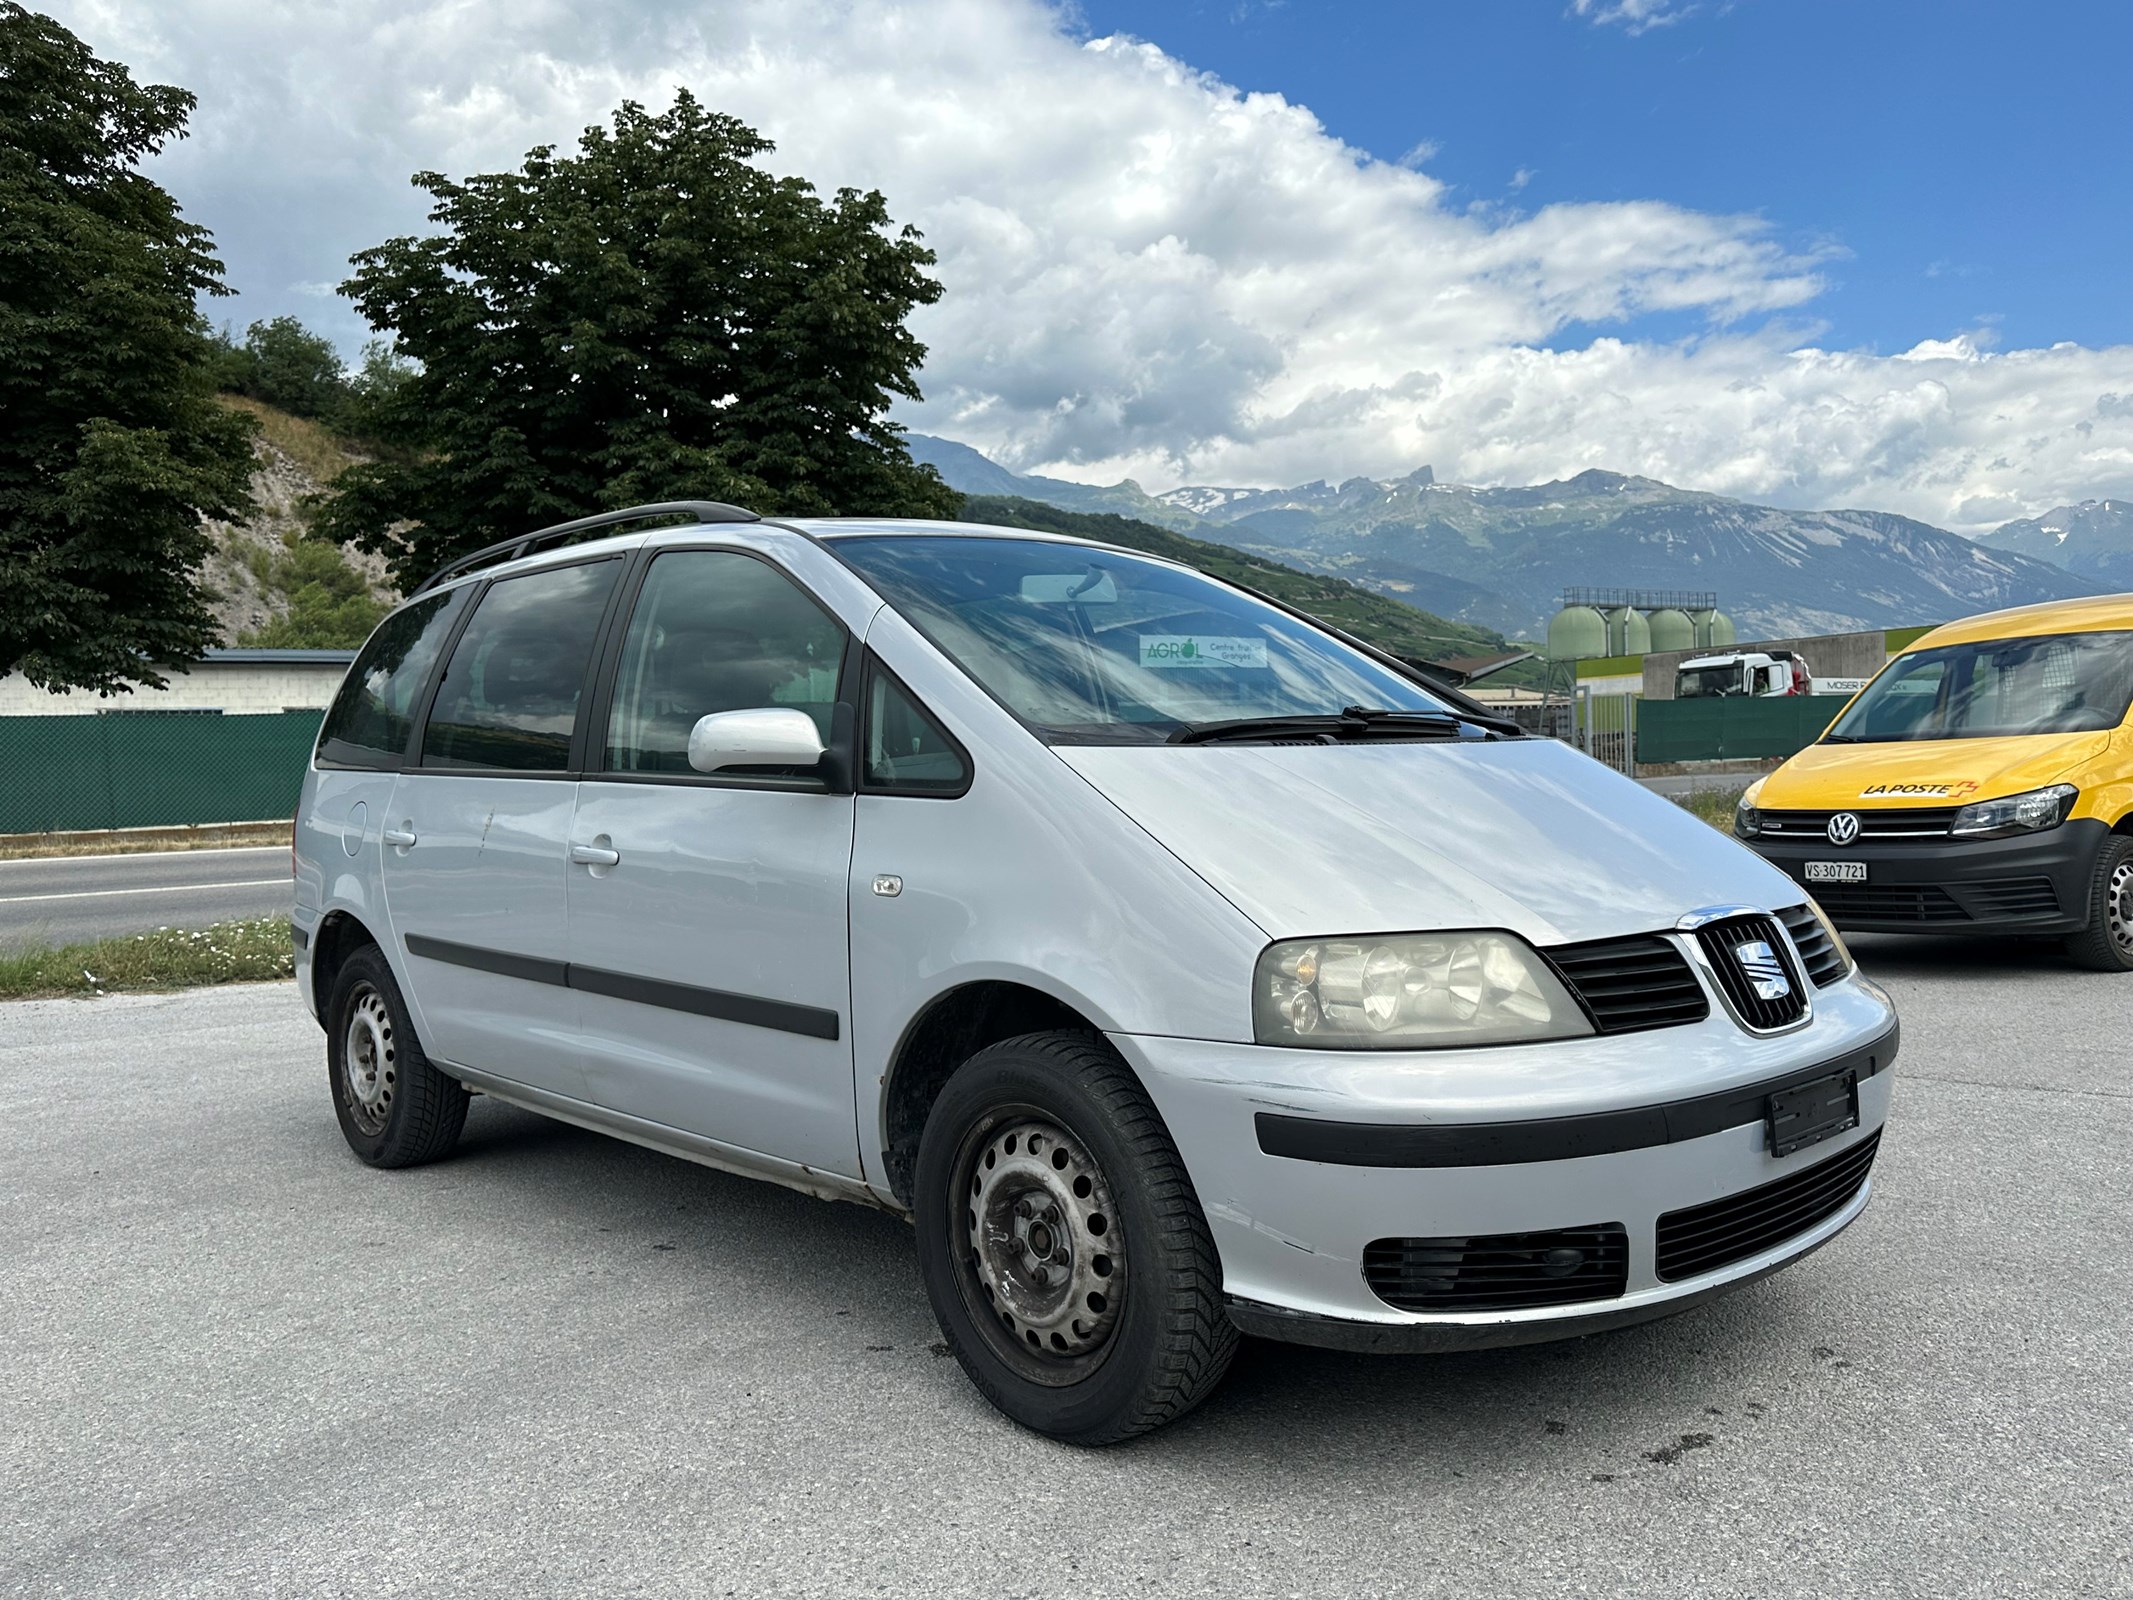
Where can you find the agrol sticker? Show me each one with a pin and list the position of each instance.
(1168, 650)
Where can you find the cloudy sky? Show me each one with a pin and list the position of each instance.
(1755, 246)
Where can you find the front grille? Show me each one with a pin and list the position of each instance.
(1629, 984)
(1818, 952)
(1706, 1237)
(1728, 944)
(2012, 897)
(1931, 822)
(1925, 903)
(1502, 1272)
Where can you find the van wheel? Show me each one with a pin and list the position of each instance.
(2106, 944)
(395, 1109)
(1062, 1246)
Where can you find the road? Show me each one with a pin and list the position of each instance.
(61, 899)
(237, 1362)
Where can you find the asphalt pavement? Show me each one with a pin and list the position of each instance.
(239, 1363)
(60, 899)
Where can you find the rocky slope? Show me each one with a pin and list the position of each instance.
(2093, 539)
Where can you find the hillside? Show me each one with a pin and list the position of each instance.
(1498, 558)
(270, 585)
(1388, 623)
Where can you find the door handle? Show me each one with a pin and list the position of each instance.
(592, 855)
(399, 838)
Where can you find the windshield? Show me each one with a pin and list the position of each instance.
(1095, 646)
(2064, 683)
(1699, 682)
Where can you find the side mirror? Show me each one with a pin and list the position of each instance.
(768, 736)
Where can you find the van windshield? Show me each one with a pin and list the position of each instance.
(2060, 683)
(1095, 646)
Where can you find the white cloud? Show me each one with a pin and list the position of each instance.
(1148, 272)
(1637, 16)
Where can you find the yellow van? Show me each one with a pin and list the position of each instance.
(1981, 783)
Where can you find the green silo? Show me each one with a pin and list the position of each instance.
(1576, 633)
(1721, 636)
(1628, 634)
(1673, 629)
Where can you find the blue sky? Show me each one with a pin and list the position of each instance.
(1974, 160)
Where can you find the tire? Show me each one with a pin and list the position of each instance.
(395, 1109)
(1094, 1312)
(2106, 944)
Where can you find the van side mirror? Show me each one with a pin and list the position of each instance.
(767, 736)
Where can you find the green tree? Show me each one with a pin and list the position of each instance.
(330, 605)
(285, 364)
(653, 318)
(112, 446)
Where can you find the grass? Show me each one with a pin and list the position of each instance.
(142, 841)
(310, 445)
(1715, 806)
(252, 951)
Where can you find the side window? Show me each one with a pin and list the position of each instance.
(511, 691)
(371, 716)
(714, 630)
(907, 751)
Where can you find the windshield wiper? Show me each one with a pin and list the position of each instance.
(1355, 722)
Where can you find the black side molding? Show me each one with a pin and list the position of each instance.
(784, 1016)
(298, 937)
(1599, 1133)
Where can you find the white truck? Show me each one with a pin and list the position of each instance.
(1744, 672)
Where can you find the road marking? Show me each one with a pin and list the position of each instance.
(161, 888)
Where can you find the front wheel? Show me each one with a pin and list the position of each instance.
(2106, 944)
(1062, 1246)
(395, 1109)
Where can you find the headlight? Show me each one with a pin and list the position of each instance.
(1747, 820)
(2018, 813)
(1409, 992)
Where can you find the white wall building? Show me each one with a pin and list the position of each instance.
(237, 682)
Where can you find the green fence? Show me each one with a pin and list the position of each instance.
(147, 769)
(1730, 727)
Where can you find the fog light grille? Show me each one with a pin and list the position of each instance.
(1500, 1272)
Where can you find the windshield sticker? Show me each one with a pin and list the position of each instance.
(1917, 791)
(1200, 650)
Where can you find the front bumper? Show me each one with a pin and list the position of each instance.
(2031, 883)
(1292, 1233)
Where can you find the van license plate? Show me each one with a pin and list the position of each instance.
(1836, 872)
(1813, 1112)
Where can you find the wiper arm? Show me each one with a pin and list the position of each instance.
(1356, 722)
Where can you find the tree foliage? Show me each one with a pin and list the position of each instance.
(653, 318)
(330, 603)
(112, 446)
(284, 364)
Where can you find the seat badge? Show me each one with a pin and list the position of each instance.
(1766, 974)
(1843, 828)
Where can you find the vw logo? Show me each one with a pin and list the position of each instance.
(1766, 974)
(1843, 828)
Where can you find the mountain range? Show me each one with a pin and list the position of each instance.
(1499, 558)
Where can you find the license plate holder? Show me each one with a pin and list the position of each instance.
(1813, 1112)
(1836, 872)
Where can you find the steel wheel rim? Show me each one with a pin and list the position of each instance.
(1043, 1259)
(2118, 907)
(370, 1065)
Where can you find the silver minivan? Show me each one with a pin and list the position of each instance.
(1182, 967)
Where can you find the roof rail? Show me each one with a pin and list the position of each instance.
(567, 533)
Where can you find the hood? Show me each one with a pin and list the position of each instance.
(1525, 834)
(1925, 772)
